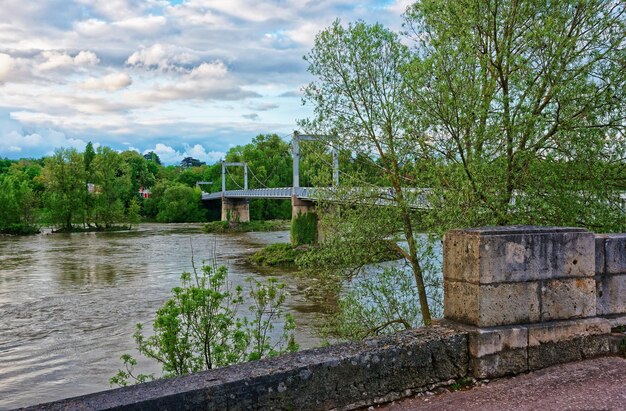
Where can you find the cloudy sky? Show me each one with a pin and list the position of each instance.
(179, 77)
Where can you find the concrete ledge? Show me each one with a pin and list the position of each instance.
(565, 341)
(344, 377)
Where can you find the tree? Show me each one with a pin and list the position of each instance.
(180, 204)
(113, 185)
(88, 157)
(139, 173)
(152, 156)
(191, 162)
(17, 205)
(64, 179)
(520, 108)
(359, 97)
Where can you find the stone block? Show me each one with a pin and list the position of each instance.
(563, 341)
(616, 320)
(461, 302)
(600, 253)
(615, 247)
(491, 305)
(508, 362)
(568, 298)
(516, 254)
(493, 340)
(498, 351)
(558, 331)
(461, 256)
(611, 294)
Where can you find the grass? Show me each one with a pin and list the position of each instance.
(244, 227)
(281, 254)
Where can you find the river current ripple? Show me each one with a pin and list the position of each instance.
(69, 302)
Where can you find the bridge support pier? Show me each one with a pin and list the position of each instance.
(235, 209)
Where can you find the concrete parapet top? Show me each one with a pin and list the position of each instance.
(518, 229)
(341, 376)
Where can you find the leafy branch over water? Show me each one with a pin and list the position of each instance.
(199, 328)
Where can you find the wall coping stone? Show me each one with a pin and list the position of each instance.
(518, 229)
(344, 376)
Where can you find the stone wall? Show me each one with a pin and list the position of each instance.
(345, 376)
(527, 295)
(610, 272)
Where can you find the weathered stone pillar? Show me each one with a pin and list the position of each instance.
(526, 295)
(611, 277)
(299, 206)
(235, 209)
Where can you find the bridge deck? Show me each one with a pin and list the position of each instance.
(382, 196)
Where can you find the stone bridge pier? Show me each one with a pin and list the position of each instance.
(235, 209)
(299, 206)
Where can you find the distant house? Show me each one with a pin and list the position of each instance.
(144, 192)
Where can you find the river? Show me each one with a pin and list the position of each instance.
(69, 302)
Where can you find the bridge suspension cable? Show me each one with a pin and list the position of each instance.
(232, 178)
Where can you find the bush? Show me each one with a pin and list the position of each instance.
(279, 254)
(198, 328)
(304, 229)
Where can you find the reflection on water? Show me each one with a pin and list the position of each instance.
(69, 302)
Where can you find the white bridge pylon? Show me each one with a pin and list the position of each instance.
(245, 174)
(295, 147)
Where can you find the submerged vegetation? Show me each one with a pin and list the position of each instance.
(279, 254)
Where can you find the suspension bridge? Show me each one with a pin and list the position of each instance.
(235, 203)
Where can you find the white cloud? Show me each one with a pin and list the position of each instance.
(169, 155)
(191, 69)
(111, 82)
(208, 81)
(6, 67)
(147, 24)
(54, 60)
(400, 6)
(42, 142)
(164, 57)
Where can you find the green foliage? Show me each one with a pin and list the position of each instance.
(17, 206)
(112, 187)
(199, 328)
(304, 229)
(523, 106)
(383, 299)
(180, 204)
(246, 226)
(279, 254)
(64, 180)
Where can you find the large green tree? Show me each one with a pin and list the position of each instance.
(64, 180)
(359, 102)
(524, 103)
(113, 185)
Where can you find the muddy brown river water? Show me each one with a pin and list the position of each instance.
(69, 302)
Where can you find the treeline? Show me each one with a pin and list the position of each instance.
(99, 189)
